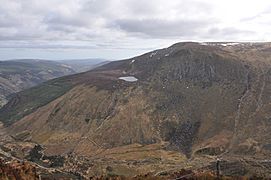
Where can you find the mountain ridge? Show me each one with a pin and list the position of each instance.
(192, 99)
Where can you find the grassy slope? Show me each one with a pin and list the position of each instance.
(21, 74)
(27, 101)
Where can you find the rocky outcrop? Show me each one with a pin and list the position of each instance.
(17, 170)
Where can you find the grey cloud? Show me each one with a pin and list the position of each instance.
(23, 34)
(88, 19)
(226, 33)
(7, 21)
(61, 28)
(53, 18)
(152, 8)
(254, 18)
(97, 7)
(159, 28)
(94, 22)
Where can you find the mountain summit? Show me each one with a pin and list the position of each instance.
(175, 106)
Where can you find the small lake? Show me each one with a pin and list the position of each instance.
(129, 78)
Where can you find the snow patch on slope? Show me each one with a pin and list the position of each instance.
(153, 54)
(229, 44)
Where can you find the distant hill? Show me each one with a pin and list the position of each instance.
(82, 65)
(17, 75)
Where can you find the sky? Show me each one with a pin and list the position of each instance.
(119, 29)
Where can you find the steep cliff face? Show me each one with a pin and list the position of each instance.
(192, 98)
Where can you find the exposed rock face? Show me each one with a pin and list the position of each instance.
(198, 99)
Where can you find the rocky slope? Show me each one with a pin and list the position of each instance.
(191, 100)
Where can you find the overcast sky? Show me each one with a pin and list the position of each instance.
(117, 29)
